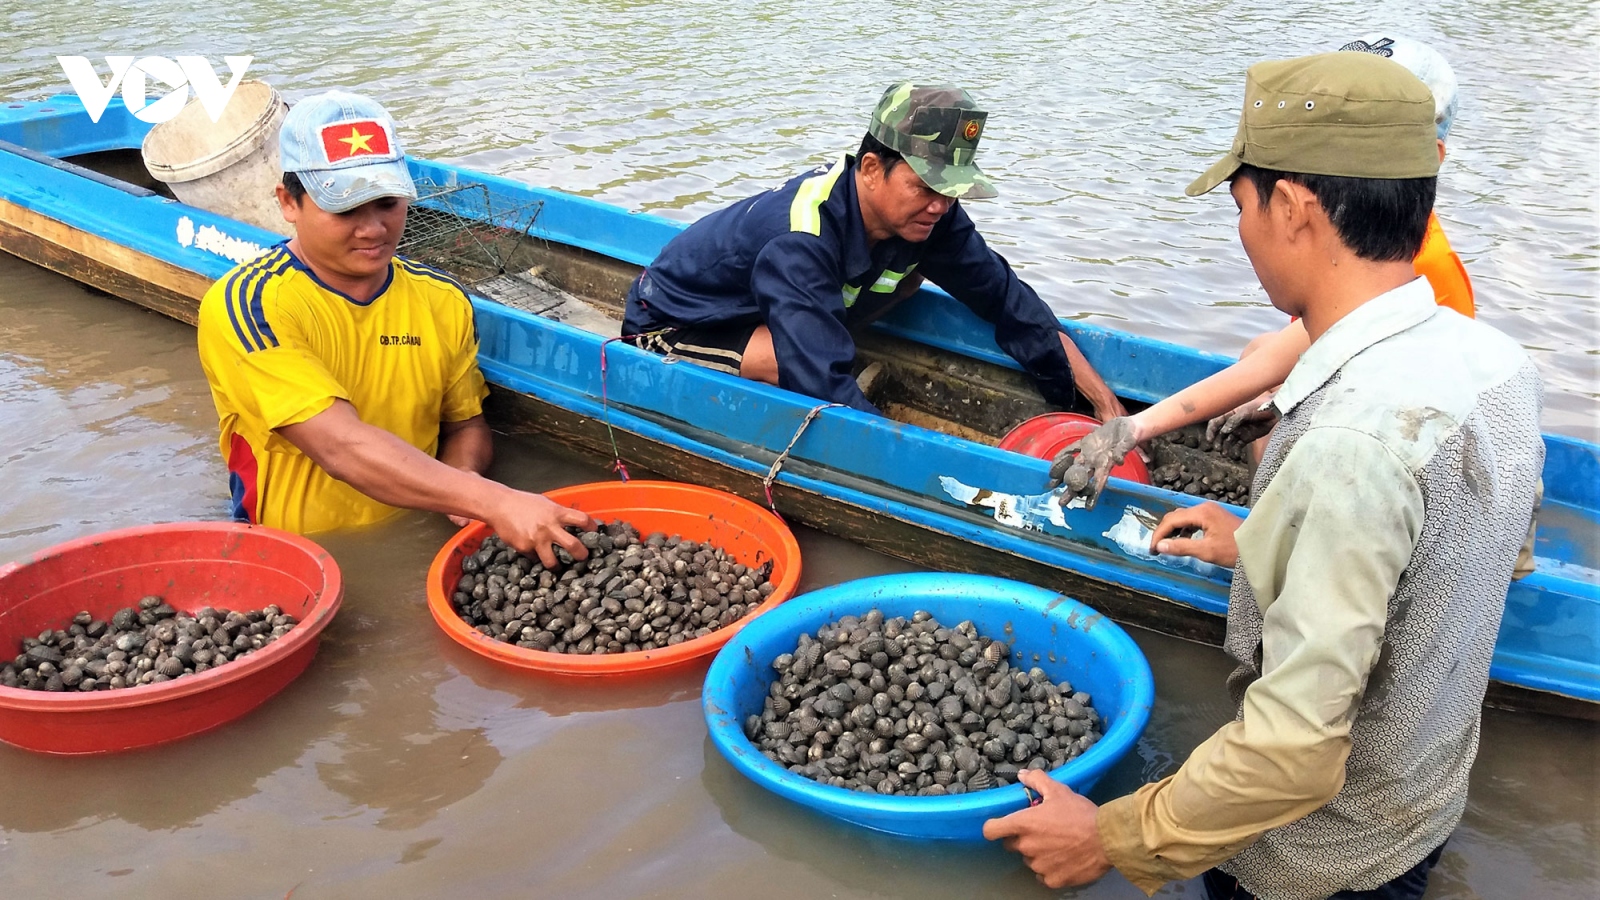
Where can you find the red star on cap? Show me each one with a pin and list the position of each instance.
(343, 140)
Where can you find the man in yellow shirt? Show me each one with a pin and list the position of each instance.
(346, 377)
(1386, 517)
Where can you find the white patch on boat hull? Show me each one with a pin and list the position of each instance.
(1033, 512)
(1563, 569)
(1132, 535)
(214, 241)
(1030, 512)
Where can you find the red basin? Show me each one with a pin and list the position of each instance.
(1045, 436)
(190, 565)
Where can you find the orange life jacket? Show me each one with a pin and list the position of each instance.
(1443, 269)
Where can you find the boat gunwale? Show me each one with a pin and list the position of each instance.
(574, 400)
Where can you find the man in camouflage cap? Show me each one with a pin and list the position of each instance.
(1386, 518)
(936, 129)
(772, 287)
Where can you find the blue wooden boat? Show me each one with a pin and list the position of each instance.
(74, 198)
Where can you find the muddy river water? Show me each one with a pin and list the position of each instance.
(400, 765)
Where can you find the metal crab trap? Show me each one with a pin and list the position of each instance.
(485, 239)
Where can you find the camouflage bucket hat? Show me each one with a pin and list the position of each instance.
(936, 128)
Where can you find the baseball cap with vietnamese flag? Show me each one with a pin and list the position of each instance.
(345, 150)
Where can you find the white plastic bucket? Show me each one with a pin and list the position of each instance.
(228, 166)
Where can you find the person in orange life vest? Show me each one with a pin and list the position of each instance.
(345, 377)
(1237, 399)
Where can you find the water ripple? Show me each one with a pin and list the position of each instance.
(1100, 114)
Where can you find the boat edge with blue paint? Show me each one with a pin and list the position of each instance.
(1548, 639)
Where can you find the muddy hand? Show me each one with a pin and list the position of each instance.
(1086, 463)
(1250, 422)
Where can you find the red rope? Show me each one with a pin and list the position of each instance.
(605, 414)
(617, 465)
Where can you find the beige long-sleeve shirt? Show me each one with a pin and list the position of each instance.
(1323, 546)
(1327, 558)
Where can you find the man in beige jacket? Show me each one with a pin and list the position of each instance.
(1371, 574)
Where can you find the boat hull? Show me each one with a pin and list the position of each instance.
(872, 481)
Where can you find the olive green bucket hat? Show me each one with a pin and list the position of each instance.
(936, 128)
(1350, 114)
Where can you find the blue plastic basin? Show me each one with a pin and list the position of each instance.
(1073, 643)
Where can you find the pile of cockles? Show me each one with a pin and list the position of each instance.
(1196, 465)
(146, 644)
(1201, 482)
(911, 707)
(629, 595)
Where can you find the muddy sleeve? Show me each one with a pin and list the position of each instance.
(963, 264)
(1324, 549)
(796, 283)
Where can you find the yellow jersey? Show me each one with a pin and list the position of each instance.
(278, 347)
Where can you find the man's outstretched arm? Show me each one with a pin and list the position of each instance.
(1224, 391)
(467, 445)
(1091, 385)
(1220, 393)
(391, 471)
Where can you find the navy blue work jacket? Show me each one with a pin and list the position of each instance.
(796, 258)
